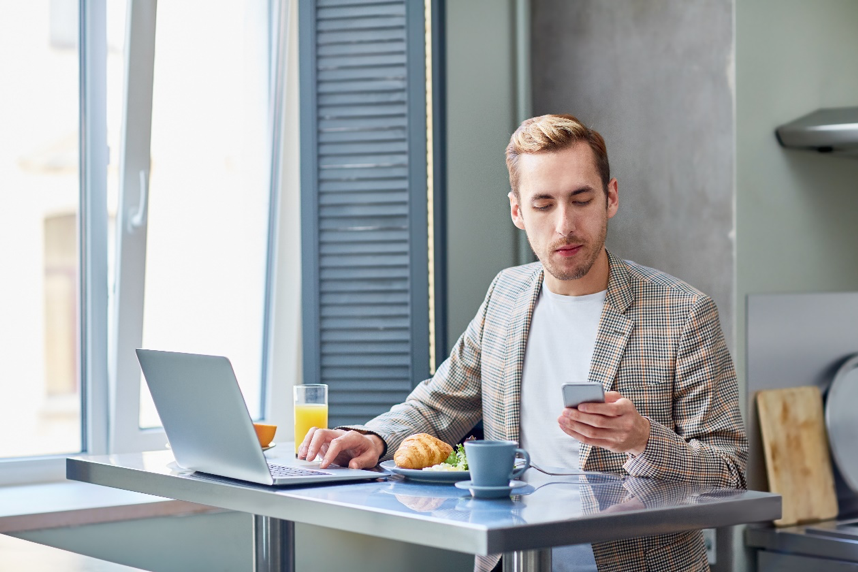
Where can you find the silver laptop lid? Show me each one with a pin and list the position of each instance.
(210, 430)
(204, 414)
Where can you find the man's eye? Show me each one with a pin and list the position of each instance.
(541, 207)
(583, 203)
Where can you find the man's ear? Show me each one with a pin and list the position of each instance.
(613, 198)
(515, 211)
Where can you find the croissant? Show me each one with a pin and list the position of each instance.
(420, 504)
(420, 451)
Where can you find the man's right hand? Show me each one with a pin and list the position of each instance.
(344, 448)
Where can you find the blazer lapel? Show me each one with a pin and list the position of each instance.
(518, 327)
(613, 335)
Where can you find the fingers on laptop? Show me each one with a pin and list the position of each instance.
(333, 449)
(317, 441)
(349, 448)
(368, 458)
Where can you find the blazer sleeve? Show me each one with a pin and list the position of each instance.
(707, 445)
(447, 405)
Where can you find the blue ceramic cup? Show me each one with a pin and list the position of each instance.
(491, 463)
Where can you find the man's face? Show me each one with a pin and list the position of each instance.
(563, 208)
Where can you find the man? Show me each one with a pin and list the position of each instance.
(579, 314)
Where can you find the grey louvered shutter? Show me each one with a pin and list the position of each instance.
(364, 202)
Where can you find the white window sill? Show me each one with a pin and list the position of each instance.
(19, 554)
(56, 505)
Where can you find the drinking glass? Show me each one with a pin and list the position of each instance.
(311, 410)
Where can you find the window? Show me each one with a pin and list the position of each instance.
(166, 241)
(195, 228)
(209, 192)
(38, 220)
(141, 173)
(40, 409)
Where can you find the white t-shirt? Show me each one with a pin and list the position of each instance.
(559, 349)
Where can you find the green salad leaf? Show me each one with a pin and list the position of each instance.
(457, 458)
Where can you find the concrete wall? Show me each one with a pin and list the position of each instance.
(481, 115)
(795, 210)
(655, 79)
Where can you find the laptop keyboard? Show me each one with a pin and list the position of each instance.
(279, 471)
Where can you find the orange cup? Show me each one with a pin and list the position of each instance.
(265, 433)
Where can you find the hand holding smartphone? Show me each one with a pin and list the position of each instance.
(574, 394)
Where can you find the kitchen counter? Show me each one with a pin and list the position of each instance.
(830, 546)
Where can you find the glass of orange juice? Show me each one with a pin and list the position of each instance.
(311, 410)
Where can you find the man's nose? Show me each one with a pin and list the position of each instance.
(565, 223)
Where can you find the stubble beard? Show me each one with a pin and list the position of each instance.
(592, 250)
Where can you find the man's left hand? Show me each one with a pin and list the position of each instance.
(615, 424)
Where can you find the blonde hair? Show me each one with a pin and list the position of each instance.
(553, 133)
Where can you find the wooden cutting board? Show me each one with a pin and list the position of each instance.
(798, 463)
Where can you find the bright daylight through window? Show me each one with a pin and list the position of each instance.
(189, 203)
(40, 390)
(207, 238)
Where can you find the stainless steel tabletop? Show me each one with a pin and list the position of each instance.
(549, 511)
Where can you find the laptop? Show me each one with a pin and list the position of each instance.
(210, 430)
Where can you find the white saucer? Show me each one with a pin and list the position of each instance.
(489, 492)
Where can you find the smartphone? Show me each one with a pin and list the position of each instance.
(574, 394)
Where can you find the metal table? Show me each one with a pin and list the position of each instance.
(553, 511)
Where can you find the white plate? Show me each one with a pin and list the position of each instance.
(427, 476)
(841, 421)
(270, 446)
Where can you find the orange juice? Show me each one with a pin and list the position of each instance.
(309, 415)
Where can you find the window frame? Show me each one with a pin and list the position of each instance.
(126, 328)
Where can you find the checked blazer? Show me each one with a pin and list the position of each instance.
(659, 344)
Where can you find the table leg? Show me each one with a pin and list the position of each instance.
(527, 561)
(273, 544)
